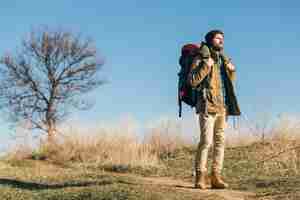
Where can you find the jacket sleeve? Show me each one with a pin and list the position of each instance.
(231, 74)
(200, 69)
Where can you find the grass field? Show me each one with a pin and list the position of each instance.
(160, 167)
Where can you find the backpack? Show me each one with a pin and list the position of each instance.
(186, 93)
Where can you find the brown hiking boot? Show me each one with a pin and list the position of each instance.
(202, 180)
(217, 182)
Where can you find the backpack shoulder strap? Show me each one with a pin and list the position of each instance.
(204, 51)
(203, 54)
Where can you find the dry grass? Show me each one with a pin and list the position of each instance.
(165, 138)
(268, 165)
(279, 154)
(276, 148)
(118, 147)
(100, 149)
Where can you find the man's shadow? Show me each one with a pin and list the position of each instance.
(42, 186)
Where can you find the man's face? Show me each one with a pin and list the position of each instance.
(218, 42)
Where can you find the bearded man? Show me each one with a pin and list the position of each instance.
(213, 74)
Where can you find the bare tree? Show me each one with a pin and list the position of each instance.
(45, 79)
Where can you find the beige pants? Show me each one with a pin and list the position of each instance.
(212, 128)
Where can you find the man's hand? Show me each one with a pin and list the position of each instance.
(230, 67)
(210, 62)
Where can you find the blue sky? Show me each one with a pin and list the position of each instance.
(141, 40)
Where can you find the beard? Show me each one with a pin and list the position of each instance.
(217, 47)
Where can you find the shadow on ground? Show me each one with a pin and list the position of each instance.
(42, 186)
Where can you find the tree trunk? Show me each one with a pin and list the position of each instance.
(51, 126)
(51, 131)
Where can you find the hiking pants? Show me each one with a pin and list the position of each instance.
(212, 126)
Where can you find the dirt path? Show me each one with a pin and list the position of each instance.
(188, 188)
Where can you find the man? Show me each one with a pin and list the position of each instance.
(212, 74)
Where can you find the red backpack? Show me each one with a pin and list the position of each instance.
(186, 93)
